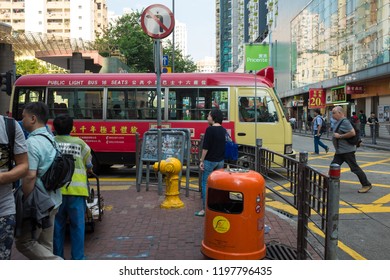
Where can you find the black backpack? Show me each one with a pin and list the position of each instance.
(355, 140)
(61, 170)
(10, 129)
(324, 126)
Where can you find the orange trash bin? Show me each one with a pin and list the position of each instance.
(234, 218)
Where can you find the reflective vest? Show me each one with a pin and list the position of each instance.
(82, 155)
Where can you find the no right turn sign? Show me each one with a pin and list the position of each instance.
(157, 21)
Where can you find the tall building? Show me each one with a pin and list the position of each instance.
(279, 17)
(238, 22)
(180, 33)
(343, 48)
(206, 65)
(65, 18)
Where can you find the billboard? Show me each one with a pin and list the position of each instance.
(256, 57)
(316, 98)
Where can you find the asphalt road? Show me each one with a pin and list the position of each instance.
(364, 227)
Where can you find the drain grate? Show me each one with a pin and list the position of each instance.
(285, 214)
(277, 251)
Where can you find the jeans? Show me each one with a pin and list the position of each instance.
(39, 246)
(209, 166)
(318, 142)
(72, 207)
(350, 159)
(7, 228)
(362, 129)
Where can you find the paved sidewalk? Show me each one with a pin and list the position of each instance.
(134, 227)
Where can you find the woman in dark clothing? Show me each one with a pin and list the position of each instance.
(213, 151)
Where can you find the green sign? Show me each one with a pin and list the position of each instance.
(256, 57)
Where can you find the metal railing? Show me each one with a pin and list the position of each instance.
(313, 195)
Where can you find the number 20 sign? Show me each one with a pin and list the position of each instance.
(316, 98)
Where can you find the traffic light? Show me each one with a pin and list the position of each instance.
(6, 83)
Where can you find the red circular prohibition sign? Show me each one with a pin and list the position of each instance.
(154, 21)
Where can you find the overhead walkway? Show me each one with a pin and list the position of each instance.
(56, 50)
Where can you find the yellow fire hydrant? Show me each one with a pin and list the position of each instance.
(171, 168)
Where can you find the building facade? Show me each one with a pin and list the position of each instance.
(65, 18)
(206, 65)
(280, 14)
(341, 47)
(238, 22)
(180, 34)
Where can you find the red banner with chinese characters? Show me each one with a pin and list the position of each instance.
(354, 89)
(317, 98)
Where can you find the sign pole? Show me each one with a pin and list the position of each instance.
(256, 58)
(157, 63)
(157, 21)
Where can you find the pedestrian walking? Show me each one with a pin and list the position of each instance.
(345, 152)
(318, 122)
(373, 122)
(35, 240)
(354, 118)
(293, 122)
(73, 204)
(309, 122)
(9, 173)
(363, 122)
(213, 151)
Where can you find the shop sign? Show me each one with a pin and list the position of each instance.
(354, 89)
(256, 57)
(329, 97)
(297, 103)
(338, 95)
(316, 98)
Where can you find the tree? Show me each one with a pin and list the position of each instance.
(126, 37)
(183, 64)
(35, 66)
(28, 66)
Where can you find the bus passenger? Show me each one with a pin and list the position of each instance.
(244, 115)
(141, 110)
(117, 112)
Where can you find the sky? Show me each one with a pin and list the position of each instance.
(199, 16)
